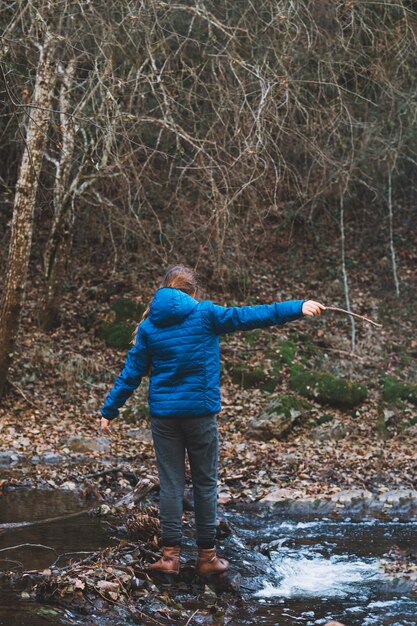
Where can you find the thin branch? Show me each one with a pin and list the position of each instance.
(361, 317)
(28, 545)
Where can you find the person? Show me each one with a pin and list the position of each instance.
(177, 343)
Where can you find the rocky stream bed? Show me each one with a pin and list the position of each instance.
(350, 558)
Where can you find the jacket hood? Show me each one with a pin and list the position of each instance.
(170, 306)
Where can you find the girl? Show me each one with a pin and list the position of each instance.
(177, 342)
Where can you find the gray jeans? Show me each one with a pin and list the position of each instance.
(198, 436)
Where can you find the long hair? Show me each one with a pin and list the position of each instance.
(178, 277)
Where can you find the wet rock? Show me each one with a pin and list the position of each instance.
(278, 417)
(50, 458)
(8, 457)
(88, 444)
(357, 503)
(327, 389)
(228, 581)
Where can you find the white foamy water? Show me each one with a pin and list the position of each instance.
(301, 576)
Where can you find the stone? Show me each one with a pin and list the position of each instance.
(351, 496)
(329, 432)
(278, 417)
(143, 434)
(326, 388)
(8, 457)
(69, 485)
(282, 495)
(88, 444)
(52, 458)
(396, 390)
(247, 378)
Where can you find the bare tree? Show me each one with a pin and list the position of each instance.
(58, 245)
(24, 203)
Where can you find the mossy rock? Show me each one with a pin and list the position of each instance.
(324, 419)
(120, 323)
(284, 353)
(287, 351)
(248, 378)
(117, 335)
(278, 418)
(126, 309)
(327, 389)
(396, 391)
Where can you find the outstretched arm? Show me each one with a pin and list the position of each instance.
(229, 319)
(136, 366)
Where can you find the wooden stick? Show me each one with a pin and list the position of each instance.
(361, 317)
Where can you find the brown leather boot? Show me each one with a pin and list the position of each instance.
(209, 563)
(169, 563)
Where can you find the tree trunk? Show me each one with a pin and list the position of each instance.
(24, 204)
(59, 242)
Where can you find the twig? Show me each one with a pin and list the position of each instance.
(64, 554)
(28, 545)
(14, 525)
(191, 617)
(361, 317)
(24, 396)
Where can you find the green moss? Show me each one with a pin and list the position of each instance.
(252, 337)
(326, 389)
(117, 335)
(287, 351)
(283, 354)
(324, 419)
(278, 418)
(247, 378)
(122, 319)
(288, 403)
(126, 309)
(395, 390)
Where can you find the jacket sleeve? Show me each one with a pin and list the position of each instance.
(136, 366)
(228, 319)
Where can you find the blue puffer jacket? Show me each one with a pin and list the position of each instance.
(179, 343)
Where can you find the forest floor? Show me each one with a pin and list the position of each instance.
(60, 379)
(49, 421)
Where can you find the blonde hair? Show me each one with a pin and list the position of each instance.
(179, 277)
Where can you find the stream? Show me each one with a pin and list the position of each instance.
(297, 570)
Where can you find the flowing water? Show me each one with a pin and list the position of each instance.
(322, 569)
(295, 571)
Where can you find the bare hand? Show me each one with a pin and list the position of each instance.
(105, 426)
(312, 308)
